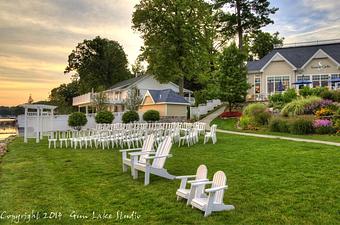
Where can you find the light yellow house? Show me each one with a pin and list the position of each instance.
(306, 64)
(167, 102)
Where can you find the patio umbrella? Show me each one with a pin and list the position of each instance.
(334, 80)
(302, 82)
(280, 86)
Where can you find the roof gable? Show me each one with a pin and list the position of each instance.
(277, 57)
(166, 96)
(318, 55)
(126, 83)
(297, 56)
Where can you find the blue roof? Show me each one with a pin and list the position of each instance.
(297, 56)
(167, 96)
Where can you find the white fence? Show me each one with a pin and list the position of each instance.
(202, 109)
(60, 122)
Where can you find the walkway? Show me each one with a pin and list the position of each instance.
(279, 137)
(207, 120)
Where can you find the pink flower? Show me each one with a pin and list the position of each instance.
(322, 123)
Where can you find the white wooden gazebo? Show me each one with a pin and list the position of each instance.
(36, 116)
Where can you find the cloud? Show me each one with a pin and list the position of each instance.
(37, 36)
(306, 20)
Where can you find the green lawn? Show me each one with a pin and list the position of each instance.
(270, 182)
(230, 124)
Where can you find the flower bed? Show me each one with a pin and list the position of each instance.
(230, 114)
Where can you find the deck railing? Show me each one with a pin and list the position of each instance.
(82, 99)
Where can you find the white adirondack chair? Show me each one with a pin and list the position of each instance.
(214, 200)
(146, 148)
(183, 192)
(211, 134)
(158, 161)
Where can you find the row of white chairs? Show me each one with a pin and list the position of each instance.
(200, 126)
(129, 135)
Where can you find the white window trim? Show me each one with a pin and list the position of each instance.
(289, 83)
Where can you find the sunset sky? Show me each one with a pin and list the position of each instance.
(37, 36)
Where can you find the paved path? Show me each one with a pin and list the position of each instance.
(212, 116)
(279, 137)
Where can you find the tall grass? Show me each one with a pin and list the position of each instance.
(298, 106)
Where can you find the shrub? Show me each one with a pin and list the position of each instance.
(151, 116)
(318, 90)
(327, 94)
(289, 95)
(323, 126)
(279, 125)
(254, 108)
(104, 117)
(245, 122)
(305, 91)
(298, 106)
(336, 95)
(258, 114)
(77, 120)
(316, 105)
(130, 116)
(262, 118)
(278, 100)
(337, 123)
(301, 126)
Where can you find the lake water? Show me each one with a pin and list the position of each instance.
(7, 128)
(4, 136)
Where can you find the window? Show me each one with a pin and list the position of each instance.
(320, 80)
(257, 85)
(335, 84)
(303, 78)
(277, 84)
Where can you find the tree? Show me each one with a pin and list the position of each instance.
(100, 99)
(232, 78)
(63, 95)
(133, 99)
(130, 117)
(243, 16)
(11, 111)
(137, 68)
(77, 120)
(261, 43)
(151, 116)
(177, 37)
(98, 62)
(104, 117)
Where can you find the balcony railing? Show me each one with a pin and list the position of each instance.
(82, 99)
(87, 99)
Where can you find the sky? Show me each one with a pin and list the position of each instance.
(36, 36)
